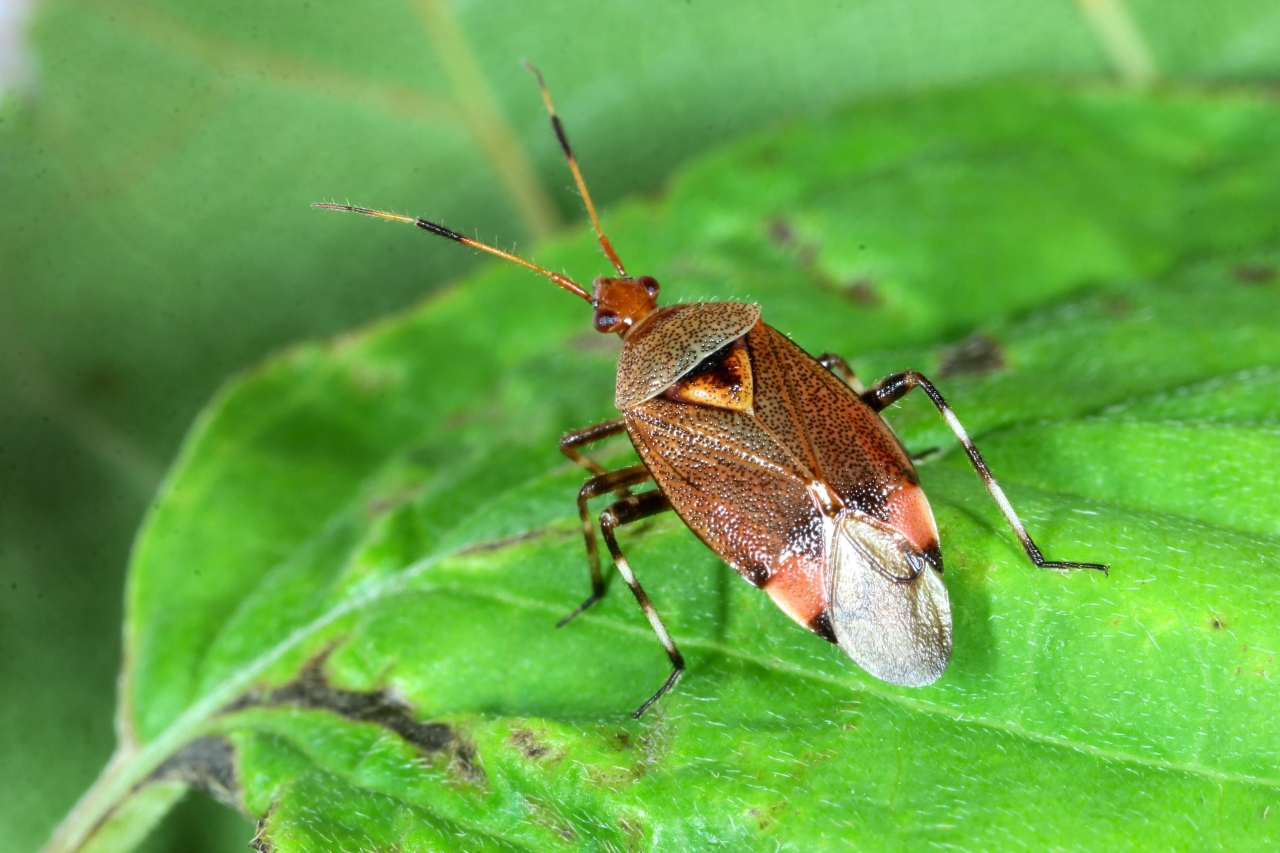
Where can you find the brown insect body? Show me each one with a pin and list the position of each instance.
(774, 462)
(785, 471)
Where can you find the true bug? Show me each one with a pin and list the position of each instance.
(784, 470)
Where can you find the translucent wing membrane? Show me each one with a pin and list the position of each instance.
(889, 608)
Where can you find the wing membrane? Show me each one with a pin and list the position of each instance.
(889, 609)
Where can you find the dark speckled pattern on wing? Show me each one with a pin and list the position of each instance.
(672, 341)
(727, 480)
(819, 419)
(740, 479)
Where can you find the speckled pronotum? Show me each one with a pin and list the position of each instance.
(782, 467)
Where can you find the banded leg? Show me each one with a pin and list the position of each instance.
(841, 368)
(610, 481)
(590, 435)
(629, 509)
(889, 390)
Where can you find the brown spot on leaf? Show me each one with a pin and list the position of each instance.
(642, 753)
(464, 761)
(810, 758)
(312, 690)
(530, 746)
(784, 234)
(977, 355)
(260, 842)
(862, 291)
(207, 764)
(1218, 623)
(633, 829)
(1254, 273)
(767, 817)
(781, 232)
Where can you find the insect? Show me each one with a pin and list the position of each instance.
(778, 461)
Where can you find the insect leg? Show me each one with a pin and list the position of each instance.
(590, 435)
(892, 388)
(610, 481)
(625, 511)
(841, 368)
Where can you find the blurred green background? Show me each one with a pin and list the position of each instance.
(157, 160)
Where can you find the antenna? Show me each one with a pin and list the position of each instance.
(560, 279)
(605, 245)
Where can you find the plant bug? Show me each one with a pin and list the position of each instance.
(778, 461)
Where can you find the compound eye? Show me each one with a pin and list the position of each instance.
(649, 283)
(606, 321)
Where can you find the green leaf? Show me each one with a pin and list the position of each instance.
(351, 578)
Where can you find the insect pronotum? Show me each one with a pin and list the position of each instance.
(778, 461)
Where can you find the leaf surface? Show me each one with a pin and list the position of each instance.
(354, 570)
